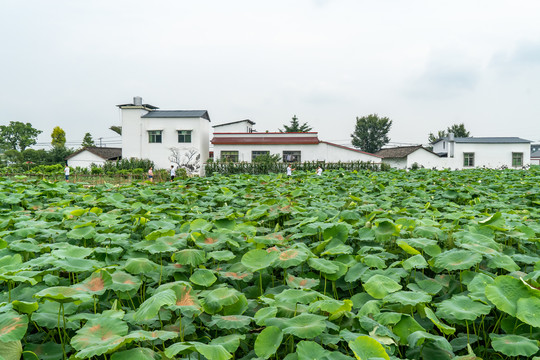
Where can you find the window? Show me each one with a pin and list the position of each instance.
(229, 156)
(154, 136)
(292, 156)
(517, 159)
(184, 136)
(468, 159)
(255, 154)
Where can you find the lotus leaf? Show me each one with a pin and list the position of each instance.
(323, 265)
(514, 345)
(13, 326)
(229, 342)
(230, 321)
(301, 283)
(457, 260)
(268, 341)
(379, 286)
(135, 354)
(259, 259)
(308, 350)
(505, 293)
(203, 277)
(304, 326)
(140, 266)
(407, 298)
(191, 257)
(150, 307)
(415, 262)
(99, 336)
(447, 330)
(461, 308)
(291, 257)
(365, 348)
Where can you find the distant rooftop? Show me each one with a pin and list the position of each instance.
(106, 153)
(487, 140)
(235, 122)
(178, 114)
(398, 152)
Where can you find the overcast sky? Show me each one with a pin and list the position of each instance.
(425, 64)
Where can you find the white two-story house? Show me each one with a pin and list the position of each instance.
(489, 152)
(167, 137)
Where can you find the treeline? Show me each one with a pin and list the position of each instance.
(226, 168)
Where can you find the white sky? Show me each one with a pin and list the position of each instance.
(425, 64)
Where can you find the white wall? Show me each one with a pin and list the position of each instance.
(84, 159)
(311, 152)
(489, 155)
(424, 158)
(239, 127)
(396, 163)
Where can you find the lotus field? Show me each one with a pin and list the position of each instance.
(348, 265)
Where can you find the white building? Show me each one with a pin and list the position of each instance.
(241, 126)
(535, 158)
(167, 137)
(87, 156)
(490, 152)
(291, 147)
(404, 157)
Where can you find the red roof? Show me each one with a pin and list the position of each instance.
(261, 139)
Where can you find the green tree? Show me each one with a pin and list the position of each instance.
(371, 133)
(18, 136)
(457, 129)
(296, 127)
(88, 140)
(58, 137)
(116, 129)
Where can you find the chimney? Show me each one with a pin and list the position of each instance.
(451, 142)
(137, 100)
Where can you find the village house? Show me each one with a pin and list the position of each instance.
(167, 137)
(404, 157)
(88, 156)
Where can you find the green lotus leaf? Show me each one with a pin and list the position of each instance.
(461, 308)
(528, 310)
(13, 326)
(216, 299)
(477, 287)
(99, 336)
(342, 270)
(214, 352)
(457, 260)
(18, 279)
(140, 266)
(429, 286)
(407, 248)
(265, 313)
(364, 348)
(505, 292)
(501, 261)
(355, 272)
(63, 294)
(178, 348)
(142, 335)
(301, 283)
(308, 350)
(200, 225)
(323, 265)
(445, 329)
(297, 296)
(405, 327)
(418, 338)
(415, 262)
(203, 277)
(407, 298)
(46, 351)
(230, 321)
(97, 283)
(122, 281)
(229, 342)
(379, 286)
(77, 265)
(135, 354)
(222, 255)
(291, 257)
(268, 341)
(304, 326)
(191, 257)
(211, 240)
(66, 250)
(11, 350)
(259, 259)
(166, 244)
(150, 308)
(514, 345)
(86, 232)
(25, 307)
(385, 228)
(159, 233)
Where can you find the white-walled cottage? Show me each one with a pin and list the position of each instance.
(403, 157)
(490, 152)
(240, 126)
(167, 137)
(87, 156)
(291, 147)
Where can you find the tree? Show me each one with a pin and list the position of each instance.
(18, 136)
(296, 127)
(88, 141)
(457, 129)
(189, 159)
(58, 137)
(116, 129)
(371, 133)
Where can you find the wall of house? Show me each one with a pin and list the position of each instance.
(240, 127)
(487, 155)
(135, 138)
(396, 163)
(424, 158)
(311, 152)
(84, 159)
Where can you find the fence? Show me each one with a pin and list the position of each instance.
(227, 168)
(93, 179)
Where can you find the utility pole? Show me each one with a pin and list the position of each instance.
(100, 142)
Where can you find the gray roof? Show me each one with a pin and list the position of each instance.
(536, 154)
(488, 140)
(399, 152)
(106, 153)
(178, 114)
(236, 122)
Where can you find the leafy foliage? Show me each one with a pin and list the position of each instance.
(371, 133)
(457, 129)
(58, 137)
(392, 265)
(18, 136)
(295, 126)
(88, 141)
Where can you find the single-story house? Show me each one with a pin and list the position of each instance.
(403, 157)
(489, 152)
(87, 156)
(291, 147)
(235, 126)
(535, 158)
